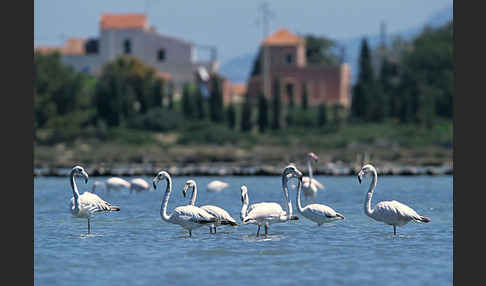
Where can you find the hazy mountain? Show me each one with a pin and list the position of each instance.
(238, 69)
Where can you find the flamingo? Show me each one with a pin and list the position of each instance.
(116, 183)
(216, 186)
(309, 184)
(139, 184)
(267, 213)
(224, 218)
(316, 212)
(87, 204)
(189, 217)
(390, 212)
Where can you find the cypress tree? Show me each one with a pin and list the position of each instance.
(305, 99)
(363, 91)
(200, 104)
(216, 100)
(187, 105)
(246, 123)
(231, 115)
(322, 115)
(262, 113)
(170, 95)
(276, 105)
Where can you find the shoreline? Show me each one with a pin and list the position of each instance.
(329, 169)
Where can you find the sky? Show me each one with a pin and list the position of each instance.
(232, 26)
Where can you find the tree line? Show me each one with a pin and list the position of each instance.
(415, 87)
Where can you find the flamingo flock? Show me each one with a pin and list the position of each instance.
(191, 216)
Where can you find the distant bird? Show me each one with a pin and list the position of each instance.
(139, 184)
(116, 183)
(316, 212)
(224, 218)
(189, 217)
(97, 184)
(309, 184)
(267, 213)
(216, 186)
(87, 204)
(390, 212)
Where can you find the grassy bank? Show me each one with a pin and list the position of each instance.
(389, 142)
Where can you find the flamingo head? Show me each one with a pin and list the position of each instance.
(189, 184)
(160, 176)
(292, 171)
(313, 156)
(364, 171)
(79, 171)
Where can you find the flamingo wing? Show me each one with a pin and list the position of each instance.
(220, 214)
(265, 211)
(191, 214)
(90, 203)
(320, 211)
(393, 212)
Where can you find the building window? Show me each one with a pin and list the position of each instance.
(161, 55)
(289, 59)
(127, 46)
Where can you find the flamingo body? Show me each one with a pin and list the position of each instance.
(117, 183)
(139, 184)
(320, 214)
(216, 186)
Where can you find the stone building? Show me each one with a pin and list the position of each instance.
(284, 57)
(130, 34)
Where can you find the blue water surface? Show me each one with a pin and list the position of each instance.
(135, 247)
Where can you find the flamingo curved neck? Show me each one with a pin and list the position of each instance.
(244, 207)
(75, 189)
(299, 191)
(367, 205)
(309, 166)
(288, 204)
(163, 209)
(194, 194)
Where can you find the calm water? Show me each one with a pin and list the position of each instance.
(135, 247)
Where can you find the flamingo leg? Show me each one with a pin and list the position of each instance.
(89, 227)
(190, 233)
(214, 229)
(394, 230)
(258, 231)
(210, 230)
(266, 230)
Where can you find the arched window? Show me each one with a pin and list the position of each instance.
(127, 46)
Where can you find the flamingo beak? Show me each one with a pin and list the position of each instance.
(155, 184)
(360, 177)
(85, 175)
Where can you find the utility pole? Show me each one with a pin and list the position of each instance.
(265, 14)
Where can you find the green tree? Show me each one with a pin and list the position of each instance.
(305, 99)
(276, 105)
(320, 50)
(322, 115)
(231, 115)
(246, 123)
(188, 108)
(200, 104)
(262, 113)
(363, 105)
(170, 96)
(216, 100)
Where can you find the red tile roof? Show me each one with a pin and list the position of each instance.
(282, 37)
(73, 46)
(123, 21)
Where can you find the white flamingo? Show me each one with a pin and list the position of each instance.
(139, 184)
(116, 183)
(216, 186)
(189, 217)
(267, 213)
(390, 212)
(316, 212)
(224, 218)
(87, 204)
(309, 184)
